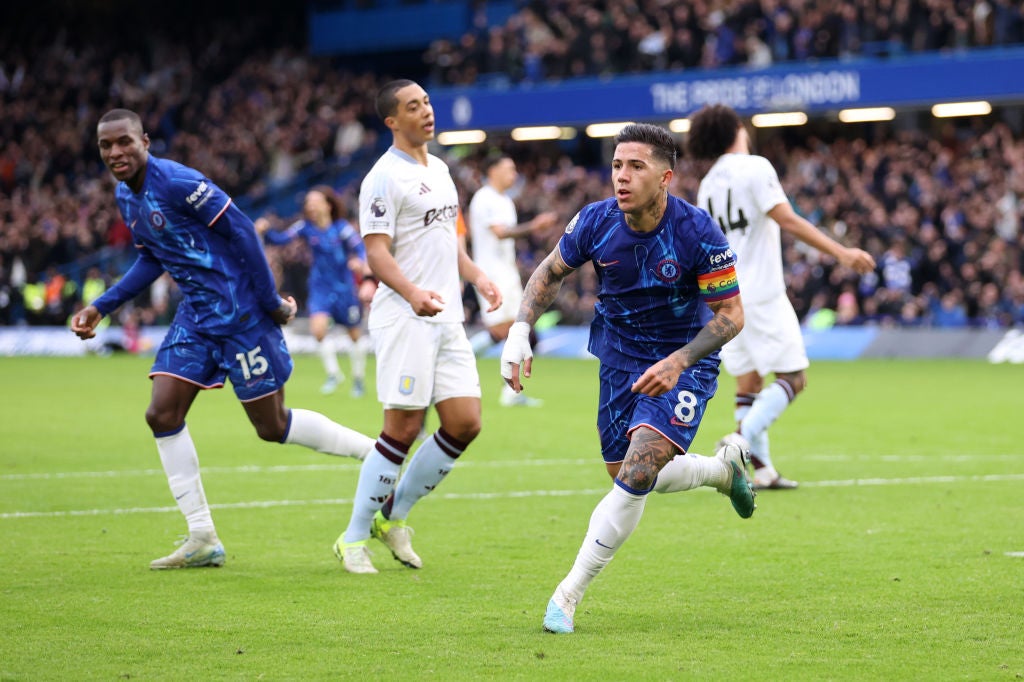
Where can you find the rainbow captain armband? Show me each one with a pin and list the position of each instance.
(718, 285)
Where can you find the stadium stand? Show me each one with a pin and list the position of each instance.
(569, 38)
(240, 96)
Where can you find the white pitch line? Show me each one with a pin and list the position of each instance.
(912, 480)
(268, 504)
(950, 457)
(344, 464)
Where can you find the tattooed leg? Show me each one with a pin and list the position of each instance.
(648, 454)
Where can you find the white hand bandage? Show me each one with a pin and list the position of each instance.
(517, 348)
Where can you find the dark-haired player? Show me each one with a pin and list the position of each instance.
(743, 194)
(668, 300)
(408, 209)
(228, 324)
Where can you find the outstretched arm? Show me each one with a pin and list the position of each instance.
(540, 293)
(540, 222)
(857, 259)
(662, 376)
(276, 237)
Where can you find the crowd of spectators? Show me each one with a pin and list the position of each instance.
(216, 99)
(942, 214)
(940, 210)
(557, 39)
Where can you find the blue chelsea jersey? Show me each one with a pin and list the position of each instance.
(331, 248)
(175, 218)
(653, 286)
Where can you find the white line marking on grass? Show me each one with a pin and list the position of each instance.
(985, 478)
(1015, 554)
(268, 504)
(949, 457)
(343, 465)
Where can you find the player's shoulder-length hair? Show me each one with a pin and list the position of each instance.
(333, 200)
(713, 129)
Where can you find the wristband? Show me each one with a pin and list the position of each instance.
(520, 328)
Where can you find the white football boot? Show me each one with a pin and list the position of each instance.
(198, 550)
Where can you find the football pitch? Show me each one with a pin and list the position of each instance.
(901, 556)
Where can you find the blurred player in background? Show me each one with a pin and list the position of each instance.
(493, 228)
(408, 208)
(743, 194)
(668, 301)
(228, 324)
(339, 261)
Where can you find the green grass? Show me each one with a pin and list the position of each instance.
(889, 563)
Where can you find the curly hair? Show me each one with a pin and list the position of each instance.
(713, 129)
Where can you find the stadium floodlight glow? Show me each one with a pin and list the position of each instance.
(952, 109)
(605, 129)
(867, 114)
(452, 137)
(567, 133)
(779, 119)
(527, 134)
(679, 125)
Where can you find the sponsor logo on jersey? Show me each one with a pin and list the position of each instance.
(572, 224)
(423, 188)
(200, 196)
(378, 208)
(443, 213)
(720, 259)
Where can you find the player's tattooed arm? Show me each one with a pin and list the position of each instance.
(663, 375)
(723, 327)
(541, 290)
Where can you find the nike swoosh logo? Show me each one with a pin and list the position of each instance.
(132, 226)
(180, 496)
(604, 265)
(603, 545)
